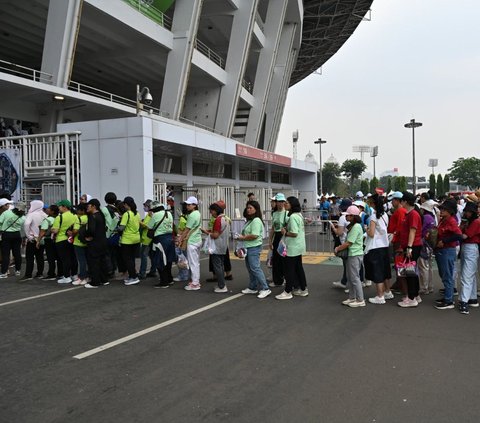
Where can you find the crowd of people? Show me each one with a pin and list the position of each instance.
(409, 231)
(89, 245)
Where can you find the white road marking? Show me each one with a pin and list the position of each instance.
(154, 328)
(37, 296)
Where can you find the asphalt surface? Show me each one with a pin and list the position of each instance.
(247, 360)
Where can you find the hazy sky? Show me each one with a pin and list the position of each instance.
(415, 59)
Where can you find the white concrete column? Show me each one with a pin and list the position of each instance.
(238, 48)
(184, 28)
(60, 39)
(266, 61)
(279, 86)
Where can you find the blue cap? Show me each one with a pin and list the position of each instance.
(345, 204)
(397, 194)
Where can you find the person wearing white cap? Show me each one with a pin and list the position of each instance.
(11, 223)
(425, 268)
(279, 221)
(193, 235)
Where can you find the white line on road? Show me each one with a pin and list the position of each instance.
(37, 296)
(154, 328)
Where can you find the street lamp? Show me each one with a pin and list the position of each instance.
(320, 142)
(374, 153)
(412, 124)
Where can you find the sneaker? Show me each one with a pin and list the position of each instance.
(389, 295)
(3, 275)
(300, 293)
(75, 277)
(161, 285)
(104, 284)
(26, 278)
(264, 293)
(463, 307)
(17, 273)
(348, 301)
(274, 285)
(249, 291)
(49, 278)
(407, 302)
(221, 290)
(339, 285)
(131, 281)
(346, 291)
(440, 301)
(192, 287)
(418, 299)
(284, 296)
(377, 300)
(79, 282)
(473, 303)
(444, 306)
(179, 280)
(89, 285)
(368, 282)
(357, 304)
(65, 280)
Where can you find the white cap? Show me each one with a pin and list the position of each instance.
(4, 202)
(359, 194)
(191, 200)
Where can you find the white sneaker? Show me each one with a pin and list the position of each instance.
(176, 279)
(346, 291)
(368, 282)
(348, 301)
(418, 299)
(131, 281)
(249, 291)
(264, 293)
(221, 290)
(79, 281)
(300, 293)
(377, 300)
(87, 285)
(339, 285)
(296, 291)
(192, 287)
(357, 304)
(389, 295)
(284, 296)
(75, 277)
(407, 302)
(17, 273)
(65, 280)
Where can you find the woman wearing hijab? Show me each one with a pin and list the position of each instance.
(31, 227)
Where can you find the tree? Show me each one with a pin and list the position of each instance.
(352, 169)
(432, 183)
(446, 184)
(330, 174)
(396, 183)
(364, 186)
(440, 191)
(466, 172)
(374, 184)
(389, 184)
(402, 183)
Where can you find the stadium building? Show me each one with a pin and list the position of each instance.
(134, 95)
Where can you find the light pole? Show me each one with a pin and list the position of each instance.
(320, 142)
(412, 124)
(374, 153)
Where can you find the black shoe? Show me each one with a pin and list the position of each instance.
(473, 303)
(229, 278)
(463, 307)
(25, 278)
(440, 300)
(442, 291)
(161, 285)
(445, 306)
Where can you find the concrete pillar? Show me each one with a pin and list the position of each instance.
(238, 48)
(279, 86)
(61, 33)
(266, 61)
(184, 28)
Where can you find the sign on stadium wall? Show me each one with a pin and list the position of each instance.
(262, 155)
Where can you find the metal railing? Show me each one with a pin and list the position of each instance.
(199, 125)
(247, 85)
(151, 12)
(207, 51)
(25, 72)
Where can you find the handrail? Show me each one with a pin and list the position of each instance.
(151, 12)
(247, 85)
(199, 125)
(23, 71)
(207, 51)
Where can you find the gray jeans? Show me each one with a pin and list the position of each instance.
(218, 268)
(354, 284)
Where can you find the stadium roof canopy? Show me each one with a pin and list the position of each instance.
(327, 24)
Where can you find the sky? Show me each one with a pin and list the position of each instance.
(415, 59)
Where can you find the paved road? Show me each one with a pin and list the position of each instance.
(247, 360)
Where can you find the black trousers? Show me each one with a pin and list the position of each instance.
(413, 283)
(294, 274)
(97, 267)
(278, 263)
(67, 257)
(32, 253)
(54, 263)
(129, 252)
(11, 242)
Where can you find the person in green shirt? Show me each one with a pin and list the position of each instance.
(130, 239)
(11, 224)
(294, 236)
(145, 243)
(79, 247)
(45, 238)
(279, 221)
(193, 236)
(64, 222)
(252, 236)
(183, 272)
(354, 243)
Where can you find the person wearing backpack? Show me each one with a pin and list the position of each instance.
(31, 227)
(11, 225)
(111, 217)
